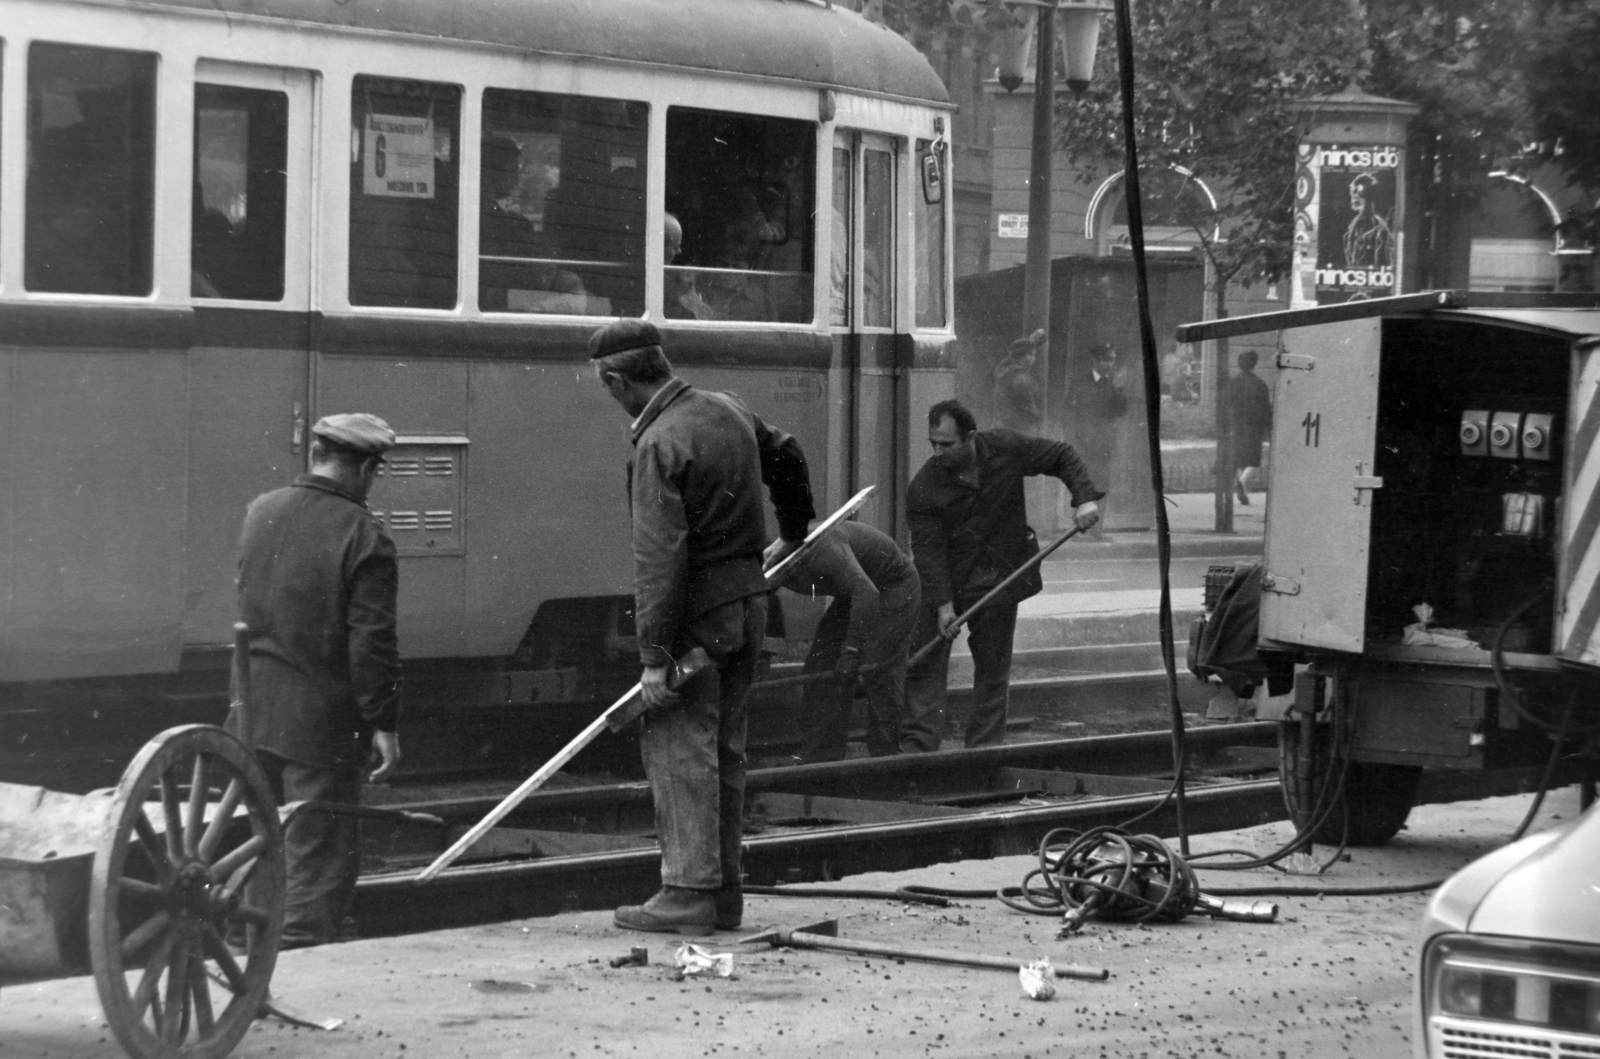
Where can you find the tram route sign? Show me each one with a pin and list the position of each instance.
(397, 156)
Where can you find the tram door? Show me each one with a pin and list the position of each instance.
(250, 251)
(871, 408)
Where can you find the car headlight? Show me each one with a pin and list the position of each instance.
(1482, 995)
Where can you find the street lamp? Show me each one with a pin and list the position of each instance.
(1080, 36)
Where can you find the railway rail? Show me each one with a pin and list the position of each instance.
(592, 847)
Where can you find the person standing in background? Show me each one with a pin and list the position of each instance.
(1094, 404)
(1016, 387)
(1250, 417)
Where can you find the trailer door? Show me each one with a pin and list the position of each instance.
(1319, 506)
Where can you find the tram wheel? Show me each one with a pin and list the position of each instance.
(1379, 797)
(192, 859)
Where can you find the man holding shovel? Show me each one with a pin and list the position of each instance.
(969, 531)
(694, 487)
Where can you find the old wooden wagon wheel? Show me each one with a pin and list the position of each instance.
(192, 861)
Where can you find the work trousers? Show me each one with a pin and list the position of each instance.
(883, 661)
(989, 635)
(694, 752)
(322, 853)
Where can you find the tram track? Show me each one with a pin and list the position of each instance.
(591, 847)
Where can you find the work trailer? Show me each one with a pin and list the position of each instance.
(1431, 564)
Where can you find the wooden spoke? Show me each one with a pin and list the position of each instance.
(219, 823)
(140, 888)
(217, 949)
(169, 808)
(145, 992)
(153, 846)
(251, 914)
(177, 994)
(205, 1020)
(225, 866)
(197, 807)
(240, 877)
(147, 932)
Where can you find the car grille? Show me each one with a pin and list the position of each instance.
(1463, 1039)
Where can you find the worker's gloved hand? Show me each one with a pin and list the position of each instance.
(848, 665)
(653, 686)
(1086, 515)
(387, 747)
(947, 621)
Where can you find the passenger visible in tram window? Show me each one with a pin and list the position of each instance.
(744, 241)
(212, 250)
(680, 294)
(536, 283)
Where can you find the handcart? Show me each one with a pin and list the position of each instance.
(169, 889)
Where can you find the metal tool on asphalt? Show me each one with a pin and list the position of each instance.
(965, 616)
(825, 935)
(629, 707)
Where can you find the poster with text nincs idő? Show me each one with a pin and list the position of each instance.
(1346, 197)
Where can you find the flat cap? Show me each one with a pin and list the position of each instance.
(621, 336)
(357, 431)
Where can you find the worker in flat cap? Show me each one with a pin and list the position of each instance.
(317, 588)
(694, 487)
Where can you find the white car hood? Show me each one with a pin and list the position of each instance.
(1553, 893)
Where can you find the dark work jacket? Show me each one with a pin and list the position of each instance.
(960, 533)
(694, 485)
(854, 563)
(317, 585)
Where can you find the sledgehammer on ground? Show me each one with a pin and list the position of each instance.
(825, 935)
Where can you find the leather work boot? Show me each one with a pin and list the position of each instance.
(673, 908)
(730, 908)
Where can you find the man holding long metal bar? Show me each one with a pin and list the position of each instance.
(969, 531)
(698, 532)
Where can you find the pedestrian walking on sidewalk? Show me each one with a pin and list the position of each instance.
(866, 630)
(969, 531)
(1250, 418)
(318, 583)
(1095, 402)
(694, 489)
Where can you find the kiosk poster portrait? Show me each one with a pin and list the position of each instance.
(1345, 215)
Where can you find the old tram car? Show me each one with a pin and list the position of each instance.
(222, 219)
(1439, 450)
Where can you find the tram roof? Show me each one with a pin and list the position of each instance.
(790, 40)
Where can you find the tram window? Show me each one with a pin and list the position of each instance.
(930, 245)
(561, 211)
(403, 192)
(91, 170)
(743, 189)
(843, 212)
(877, 239)
(241, 152)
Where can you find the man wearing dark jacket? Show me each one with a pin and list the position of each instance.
(969, 530)
(317, 587)
(865, 630)
(694, 486)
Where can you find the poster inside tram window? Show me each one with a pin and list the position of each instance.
(397, 156)
(1356, 233)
